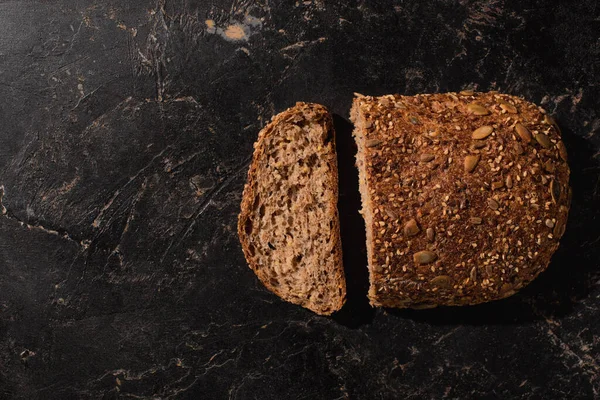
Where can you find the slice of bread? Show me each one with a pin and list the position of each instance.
(289, 223)
(465, 195)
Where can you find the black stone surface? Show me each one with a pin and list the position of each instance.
(126, 129)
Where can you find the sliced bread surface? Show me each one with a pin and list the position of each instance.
(465, 195)
(289, 223)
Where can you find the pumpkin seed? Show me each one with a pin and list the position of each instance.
(482, 132)
(411, 228)
(442, 281)
(493, 204)
(475, 220)
(427, 157)
(477, 109)
(471, 162)
(413, 120)
(373, 142)
(543, 140)
(523, 132)
(430, 234)
(555, 191)
(467, 92)
(562, 150)
(424, 257)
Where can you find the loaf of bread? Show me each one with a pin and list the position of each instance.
(465, 195)
(289, 223)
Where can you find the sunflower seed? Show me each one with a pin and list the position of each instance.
(482, 132)
(442, 281)
(555, 191)
(543, 140)
(475, 220)
(509, 182)
(477, 109)
(424, 257)
(497, 185)
(423, 306)
(467, 92)
(426, 157)
(368, 125)
(549, 167)
(479, 144)
(549, 120)
(559, 230)
(471, 162)
(411, 228)
(373, 142)
(430, 234)
(562, 150)
(489, 270)
(384, 101)
(523, 132)
(507, 290)
(549, 223)
(519, 149)
(506, 106)
(473, 274)
(493, 204)
(390, 213)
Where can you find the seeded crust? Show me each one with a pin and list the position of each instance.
(289, 223)
(465, 195)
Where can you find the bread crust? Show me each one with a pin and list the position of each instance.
(468, 194)
(337, 290)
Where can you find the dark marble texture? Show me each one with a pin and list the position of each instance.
(126, 129)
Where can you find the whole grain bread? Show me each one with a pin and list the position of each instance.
(289, 223)
(465, 195)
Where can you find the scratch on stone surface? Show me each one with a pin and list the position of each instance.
(71, 42)
(205, 203)
(98, 220)
(302, 44)
(2, 208)
(130, 217)
(444, 336)
(233, 391)
(586, 362)
(62, 233)
(89, 94)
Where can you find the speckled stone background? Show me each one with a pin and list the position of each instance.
(126, 129)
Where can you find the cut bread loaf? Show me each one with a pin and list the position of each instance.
(289, 224)
(465, 195)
